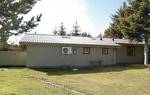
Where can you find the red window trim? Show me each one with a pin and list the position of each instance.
(103, 51)
(84, 49)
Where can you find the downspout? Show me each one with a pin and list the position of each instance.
(114, 58)
(114, 52)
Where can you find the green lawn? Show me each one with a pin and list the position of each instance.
(115, 80)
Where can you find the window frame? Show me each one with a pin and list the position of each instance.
(86, 50)
(129, 48)
(105, 51)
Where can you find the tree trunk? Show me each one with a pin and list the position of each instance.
(146, 51)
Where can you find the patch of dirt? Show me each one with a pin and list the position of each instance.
(147, 79)
(3, 69)
(148, 70)
(115, 73)
(46, 81)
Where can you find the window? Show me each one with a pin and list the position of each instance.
(105, 51)
(130, 51)
(86, 50)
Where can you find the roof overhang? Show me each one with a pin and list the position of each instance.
(70, 44)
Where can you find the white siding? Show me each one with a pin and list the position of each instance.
(45, 56)
(123, 58)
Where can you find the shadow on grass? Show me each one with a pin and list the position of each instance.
(12, 66)
(87, 70)
(75, 70)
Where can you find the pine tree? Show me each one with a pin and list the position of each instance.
(62, 31)
(136, 25)
(12, 21)
(114, 30)
(89, 35)
(76, 29)
(100, 35)
(84, 34)
(133, 22)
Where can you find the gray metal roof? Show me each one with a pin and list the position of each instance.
(125, 41)
(51, 39)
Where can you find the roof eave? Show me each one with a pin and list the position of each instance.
(35, 43)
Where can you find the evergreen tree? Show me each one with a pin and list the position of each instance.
(100, 35)
(76, 29)
(133, 22)
(114, 30)
(136, 25)
(12, 21)
(89, 35)
(62, 31)
(84, 34)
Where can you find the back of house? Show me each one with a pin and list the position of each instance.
(53, 51)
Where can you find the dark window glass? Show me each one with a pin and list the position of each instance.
(130, 51)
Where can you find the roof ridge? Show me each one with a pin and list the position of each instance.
(41, 34)
(75, 36)
(58, 35)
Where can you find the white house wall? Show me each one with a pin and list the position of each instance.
(123, 58)
(51, 56)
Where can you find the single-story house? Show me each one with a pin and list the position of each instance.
(52, 51)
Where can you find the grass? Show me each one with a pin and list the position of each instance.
(115, 80)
